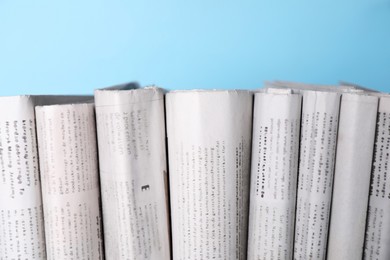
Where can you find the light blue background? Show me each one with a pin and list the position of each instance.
(75, 46)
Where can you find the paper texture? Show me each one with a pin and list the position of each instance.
(320, 116)
(21, 216)
(209, 144)
(344, 84)
(299, 87)
(133, 173)
(377, 239)
(352, 176)
(70, 184)
(21, 213)
(275, 151)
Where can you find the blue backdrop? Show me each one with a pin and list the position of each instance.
(75, 46)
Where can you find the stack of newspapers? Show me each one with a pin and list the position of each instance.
(289, 171)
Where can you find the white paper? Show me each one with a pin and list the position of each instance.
(377, 238)
(275, 151)
(133, 173)
(70, 184)
(21, 212)
(299, 87)
(209, 144)
(320, 116)
(352, 176)
(21, 216)
(349, 85)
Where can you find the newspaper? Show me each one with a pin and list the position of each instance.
(275, 151)
(378, 225)
(345, 84)
(209, 145)
(21, 212)
(319, 126)
(133, 172)
(298, 86)
(301, 86)
(354, 155)
(320, 116)
(70, 184)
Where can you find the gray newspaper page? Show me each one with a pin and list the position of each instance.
(377, 239)
(319, 126)
(21, 212)
(70, 183)
(275, 151)
(133, 173)
(209, 143)
(355, 143)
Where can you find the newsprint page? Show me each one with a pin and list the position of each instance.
(21, 211)
(378, 216)
(133, 172)
(209, 141)
(70, 183)
(319, 128)
(355, 145)
(275, 150)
